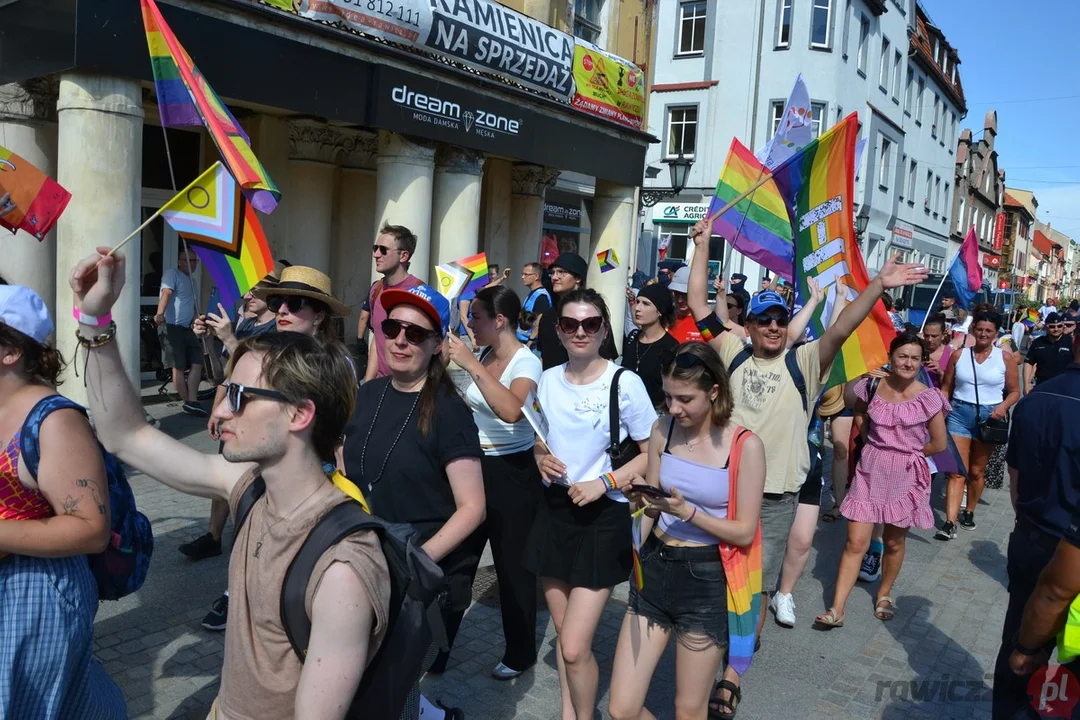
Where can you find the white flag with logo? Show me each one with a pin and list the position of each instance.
(794, 130)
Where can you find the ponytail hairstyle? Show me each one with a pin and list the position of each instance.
(42, 363)
(697, 364)
(438, 383)
(501, 300)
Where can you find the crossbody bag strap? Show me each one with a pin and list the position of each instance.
(734, 455)
(975, 380)
(613, 412)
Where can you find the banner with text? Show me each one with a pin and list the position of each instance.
(608, 86)
(479, 33)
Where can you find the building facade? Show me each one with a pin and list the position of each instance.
(725, 70)
(1019, 207)
(1053, 277)
(980, 196)
(457, 142)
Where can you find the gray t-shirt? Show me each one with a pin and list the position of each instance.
(181, 307)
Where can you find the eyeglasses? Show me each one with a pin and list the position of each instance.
(591, 325)
(414, 334)
(1055, 326)
(764, 321)
(295, 303)
(236, 395)
(733, 306)
(383, 250)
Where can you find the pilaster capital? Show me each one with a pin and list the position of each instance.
(458, 161)
(529, 179)
(30, 100)
(399, 148)
(358, 148)
(312, 140)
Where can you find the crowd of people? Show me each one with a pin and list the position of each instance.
(685, 458)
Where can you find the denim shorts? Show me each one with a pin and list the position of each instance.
(685, 591)
(962, 421)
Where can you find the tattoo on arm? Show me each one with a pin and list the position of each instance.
(71, 505)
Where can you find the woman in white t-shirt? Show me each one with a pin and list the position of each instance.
(502, 378)
(580, 543)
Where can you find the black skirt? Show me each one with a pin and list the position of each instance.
(585, 546)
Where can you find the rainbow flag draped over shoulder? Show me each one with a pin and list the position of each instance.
(214, 216)
(185, 98)
(818, 188)
(742, 571)
(758, 225)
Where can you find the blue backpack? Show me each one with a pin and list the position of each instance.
(121, 569)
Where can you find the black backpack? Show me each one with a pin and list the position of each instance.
(416, 582)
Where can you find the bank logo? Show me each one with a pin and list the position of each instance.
(1054, 692)
(671, 212)
(439, 112)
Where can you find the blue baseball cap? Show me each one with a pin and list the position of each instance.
(425, 299)
(765, 300)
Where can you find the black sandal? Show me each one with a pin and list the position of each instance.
(720, 709)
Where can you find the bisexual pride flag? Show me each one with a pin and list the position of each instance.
(965, 270)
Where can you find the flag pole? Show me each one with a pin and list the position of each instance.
(135, 232)
(941, 284)
(734, 241)
(749, 191)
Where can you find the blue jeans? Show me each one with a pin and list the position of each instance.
(965, 417)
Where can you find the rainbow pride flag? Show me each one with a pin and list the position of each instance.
(477, 267)
(742, 570)
(817, 184)
(1032, 318)
(185, 98)
(214, 216)
(35, 201)
(758, 226)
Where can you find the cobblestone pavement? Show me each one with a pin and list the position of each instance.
(951, 602)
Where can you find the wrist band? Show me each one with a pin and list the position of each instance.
(609, 481)
(98, 340)
(693, 512)
(710, 327)
(1017, 647)
(90, 320)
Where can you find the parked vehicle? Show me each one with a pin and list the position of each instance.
(917, 298)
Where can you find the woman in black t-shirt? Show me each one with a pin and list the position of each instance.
(412, 447)
(650, 346)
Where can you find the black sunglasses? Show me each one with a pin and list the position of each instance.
(414, 334)
(236, 395)
(764, 321)
(295, 303)
(383, 250)
(591, 325)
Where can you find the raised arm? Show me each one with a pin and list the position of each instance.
(797, 326)
(118, 416)
(894, 274)
(697, 288)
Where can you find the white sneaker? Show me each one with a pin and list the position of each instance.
(783, 606)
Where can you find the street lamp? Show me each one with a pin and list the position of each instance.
(678, 170)
(861, 221)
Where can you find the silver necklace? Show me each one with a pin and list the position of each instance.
(401, 431)
(267, 525)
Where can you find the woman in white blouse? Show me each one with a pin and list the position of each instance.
(503, 376)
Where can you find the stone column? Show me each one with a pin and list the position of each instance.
(28, 128)
(528, 185)
(403, 194)
(612, 228)
(495, 213)
(312, 145)
(100, 164)
(270, 140)
(455, 209)
(355, 214)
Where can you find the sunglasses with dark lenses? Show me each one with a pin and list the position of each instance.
(236, 395)
(764, 321)
(733, 306)
(1055, 326)
(591, 325)
(414, 334)
(295, 303)
(382, 250)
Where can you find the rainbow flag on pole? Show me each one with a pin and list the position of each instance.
(35, 200)
(185, 98)
(817, 184)
(765, 235)
(214, 216)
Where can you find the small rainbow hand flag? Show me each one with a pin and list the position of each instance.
(608, 260)
(186, 98)
(36, 200)
(477, 266)
(213, 214)
(451, 280)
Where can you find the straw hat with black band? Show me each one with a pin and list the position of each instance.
(301, 281)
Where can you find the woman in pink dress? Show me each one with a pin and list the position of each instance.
(892, 479)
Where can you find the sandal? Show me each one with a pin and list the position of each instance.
(885, 608)
(832, 515)
(829, 620)
(721, 709)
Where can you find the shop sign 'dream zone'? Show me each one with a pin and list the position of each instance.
(446, 113)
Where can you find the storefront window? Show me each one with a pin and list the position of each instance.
(587, 19)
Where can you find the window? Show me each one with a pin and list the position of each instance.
(817, 114)
(682, 131)
(777, 114)
(864, 43)
(847, 27)
(883, 72)
(783, 28)
(960, 216)
(820, 17)
(839, 113)
(587, 19)
(903, 184)
(691, 28)
(937, 195)
(907, 91)
(935, 264)
(883, 162)
(919, 100)
(913, 175)
(937, 117)
(898, 69)
(929, 189)
(946, 200)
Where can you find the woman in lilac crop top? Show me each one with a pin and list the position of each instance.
(684, 588)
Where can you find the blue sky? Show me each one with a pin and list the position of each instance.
(1020, 58)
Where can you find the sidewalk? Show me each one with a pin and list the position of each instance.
(951, 602)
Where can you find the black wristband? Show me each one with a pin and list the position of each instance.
(710, 327)
(1021, 649)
